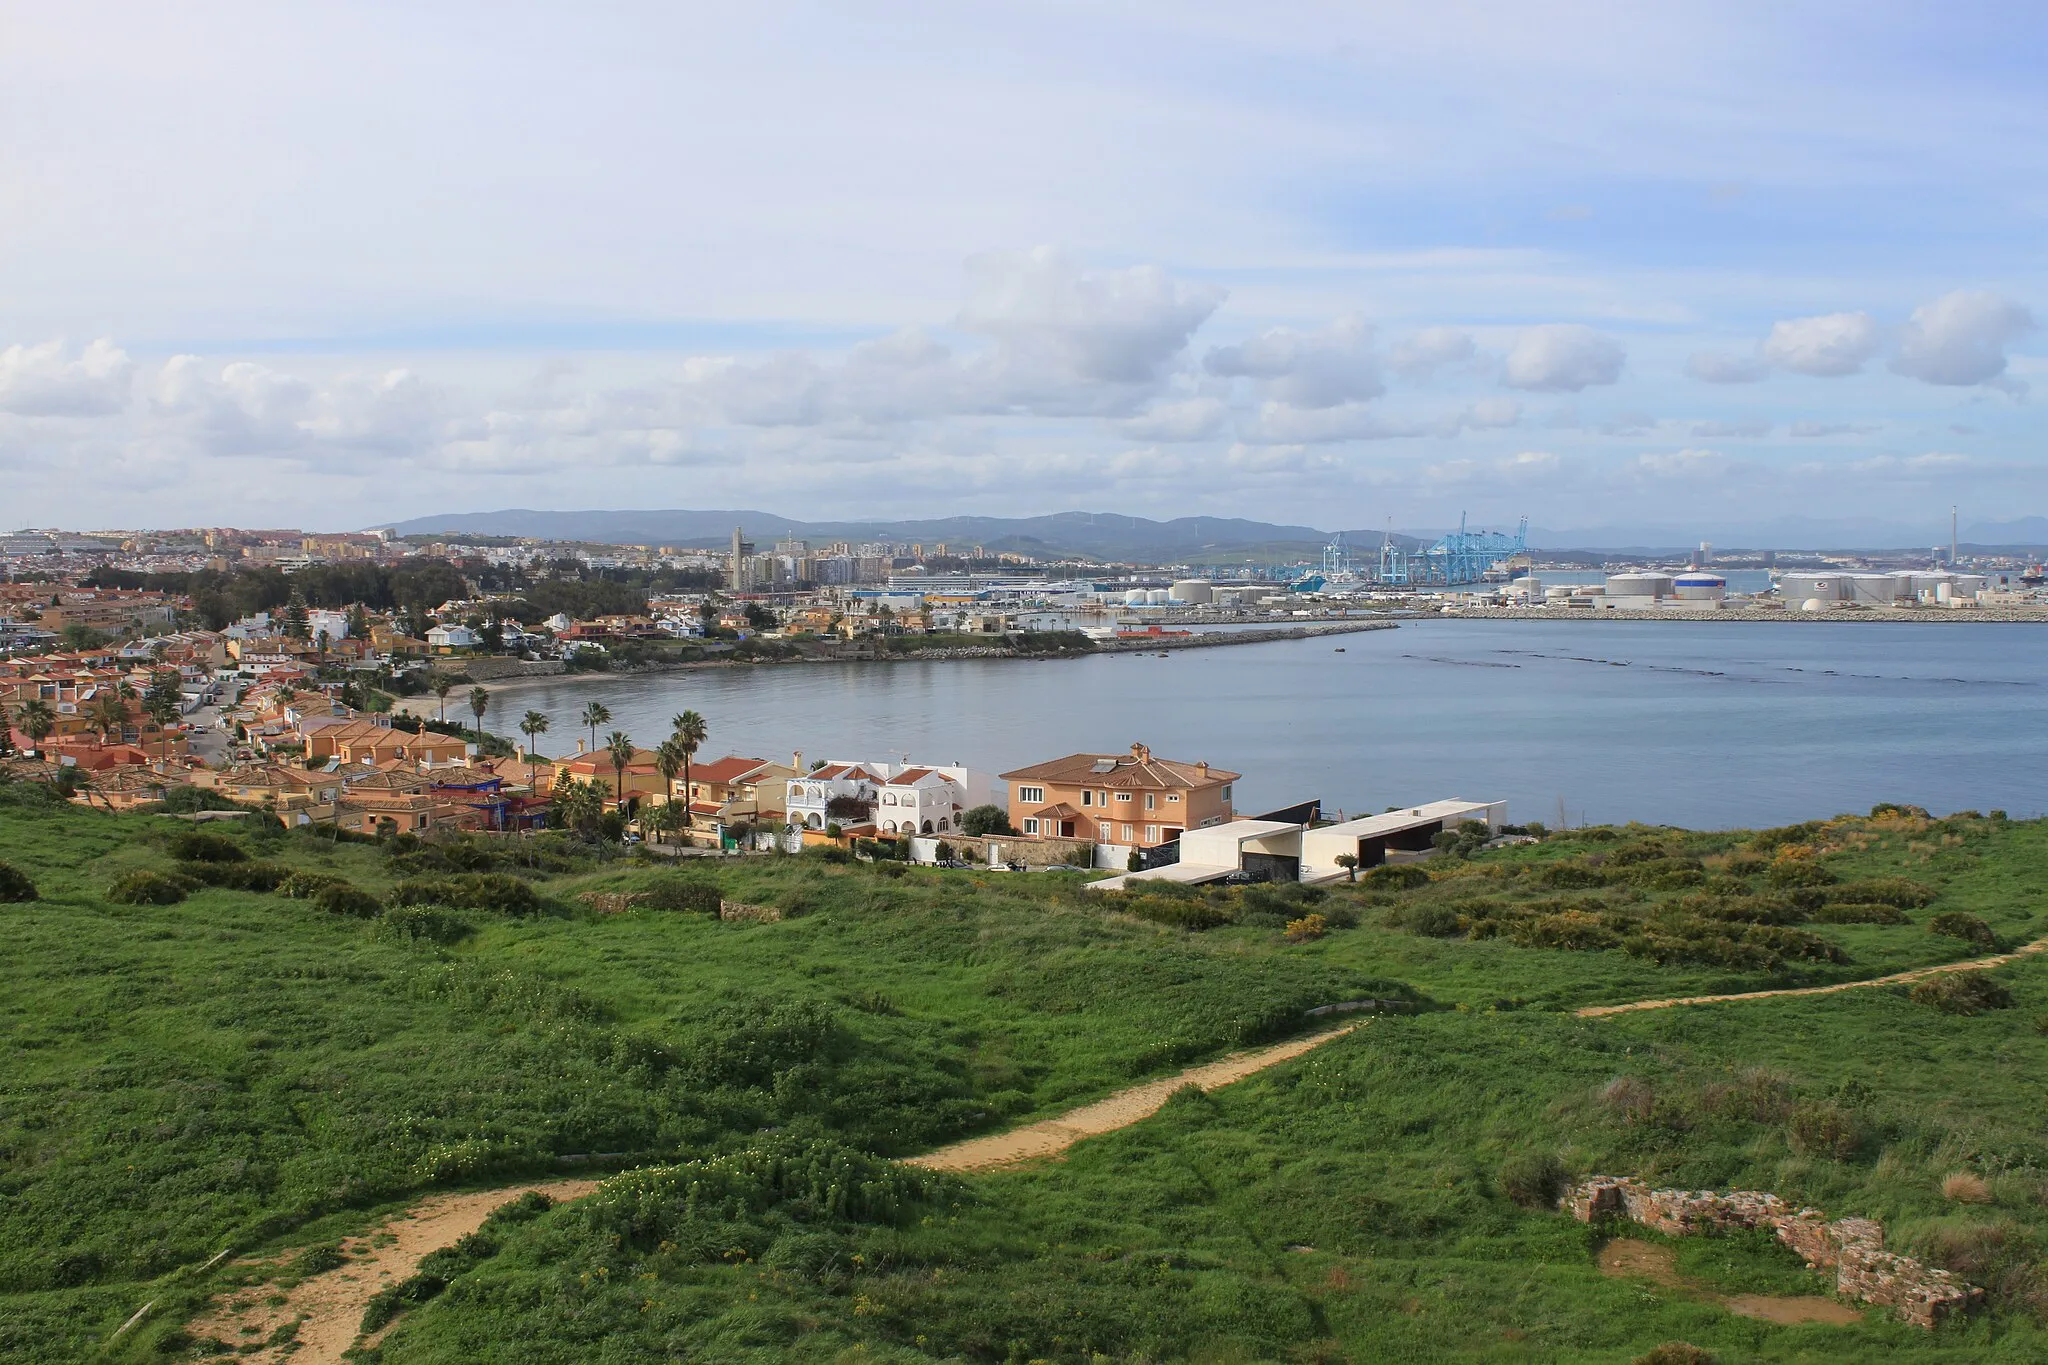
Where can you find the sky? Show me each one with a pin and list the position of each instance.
(334, 266)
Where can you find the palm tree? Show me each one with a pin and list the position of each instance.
(531, 724)
(594, 715)
(36, 720)
(479, 702)
(689, 731)
(669, 759)
(619, 745)
(440, 684)
(162, 706)
(107, 714)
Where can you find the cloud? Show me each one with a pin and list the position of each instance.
(1748, 428)
(1430, 350)
(1285, 424)
(1828, 346)
(1684, 464)
(1108, 327)
(1493, 413)
(1528, 466)
(1811, 429)
(41, 381)
(1628, 424)
(1960, 338)
(1318, 369)
(1563, 358)
(245, 409)
(1191, 419)
(1714, 367)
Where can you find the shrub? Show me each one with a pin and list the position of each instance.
(1430, 921)
(1896, 891)
(423, 923)
(1872, 912)
(1535, 1180)
(1968, 928)
(1798, 872)
(1193, 915)
(1397, 876)
(248, 876)
(1961, 993)
(1574, 930)
(144, 887)
(302, 886)
(1570, 876)
(491, 891)
(1743, 909)
(685, 894)
(985, 820)
(343, 899)
(1675, 1353)
(15, 885)
(1629, 1098)
(197, 846)
(1825, 1128)
(1965, 1187)
(1310, 926)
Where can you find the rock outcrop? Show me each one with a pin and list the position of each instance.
(1851, 1247)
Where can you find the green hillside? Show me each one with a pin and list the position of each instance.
(268, 1069)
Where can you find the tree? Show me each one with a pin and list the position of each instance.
(578, 807)
(689, 731)
(985, 820)
(36, 720)
(479, 702)
(532, 725)
(359, 622)
(669, 759)
(440, 684)
(619, 745)
(163, 703)
(924, 617)
(1349, 862)
(295, 618)
(594, 715)
(663, 819)
(107, 714)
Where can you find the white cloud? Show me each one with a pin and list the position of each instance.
(1107, 327)
(1563, 358)
(1530, 465)
(1190, 419)
(42, 381)
(1714, 367)
(1318, 369)
(1431, 349)
(1684, 464)
(1285, 424)
(1747, 428)
(1960, 338)
(246, 409)
(1493, 413)
(1814, 429)
(1828, 346)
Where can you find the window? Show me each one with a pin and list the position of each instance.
(1031, 796)
(1108, 832)
(1151, 834)
(1173, 797)
(1087, 798)
(1102, 798)
(1151, 801)
(1226, 791)
(1123, 796)
(1031, 827)
(1127, 834)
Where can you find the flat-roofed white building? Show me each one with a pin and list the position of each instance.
(1397, 836)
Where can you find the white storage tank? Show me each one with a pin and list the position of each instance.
(1194, 591)
(1158, 597)
(1639, 585)
(1699, 587)
(1968, 585)
(1804, 587)
(1871, 589)
(1135, 597)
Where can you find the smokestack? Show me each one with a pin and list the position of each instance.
(1951, 535)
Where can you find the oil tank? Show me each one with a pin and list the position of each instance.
(1158, 597)
(1699, 587)
(1639, 585)
(1802, 587)
(1194, 591)
(1871, 589)
(1135, 597)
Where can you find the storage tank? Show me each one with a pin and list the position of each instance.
(1228, 597)
(1968, 585)
(1158, 597)
(1801, 587)
(1870, 589)
(1194, 591)
(1639, 585)
(1699, 587)
(1135, 597)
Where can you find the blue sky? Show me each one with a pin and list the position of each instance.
(1596, 263)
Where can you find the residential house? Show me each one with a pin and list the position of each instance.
(896, 798)
(448, 639)
(357, 741)
(640, 782)
(735, 790)
(840, 794)
(1131, 798)
(297, 796)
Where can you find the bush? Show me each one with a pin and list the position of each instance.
(1961, 993)
(143, 887)
(1874, 912)
(197, 846)
(1825, 1128)
(423, 923)
(1893, 891)
(490, 891)
(15, 885)
(1968, 928)
(985, 820)
(1535, 1180)
(1428, 920)
(303, 886)
(1574, 930)
(1786, 872)
(1308, 927)
(1397, 876)
(343, 899)
(684, 894)
(1192, 915)
(1675, 1353)
(237, 876)
(1965, 1187)
(1570, 877)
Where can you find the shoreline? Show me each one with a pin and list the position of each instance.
(427, 705)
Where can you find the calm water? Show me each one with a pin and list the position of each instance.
(1691, 723)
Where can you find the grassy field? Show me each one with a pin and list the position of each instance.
(260, 1069)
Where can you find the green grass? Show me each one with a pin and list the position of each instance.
(246, 1070)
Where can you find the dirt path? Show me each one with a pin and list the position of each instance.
(1627, 1258)
(1975, 964)
(1052, 1136)
(329, 1307)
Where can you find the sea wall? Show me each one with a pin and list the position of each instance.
(1851, 1247)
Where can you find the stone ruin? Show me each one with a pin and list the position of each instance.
(1851, 1247)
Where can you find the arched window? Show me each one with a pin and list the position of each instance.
(927, 827)
(942, 824)
(815, 820)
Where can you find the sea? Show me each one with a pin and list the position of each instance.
(1698, 724)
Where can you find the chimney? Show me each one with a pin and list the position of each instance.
(1202, 769)
(796, 761)
(579, 746)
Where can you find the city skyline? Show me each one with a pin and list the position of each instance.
(1310, 266)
